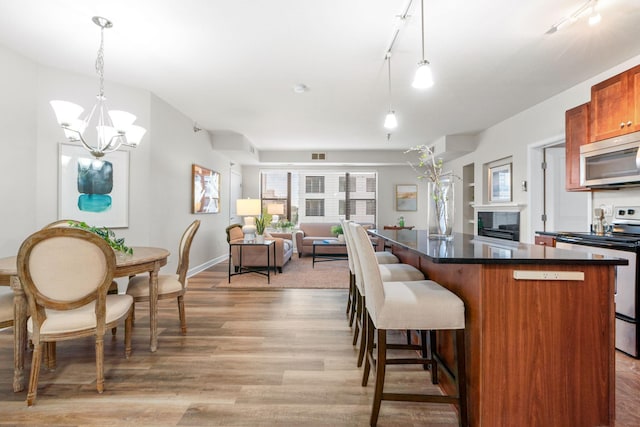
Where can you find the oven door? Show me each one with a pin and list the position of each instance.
(625, 294)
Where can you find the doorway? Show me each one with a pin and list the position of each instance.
(552, 208)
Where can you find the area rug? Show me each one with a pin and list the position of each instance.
(297, 273)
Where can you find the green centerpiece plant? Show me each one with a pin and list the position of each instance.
(440, 214)
(108, 235)
(260, 224)
(336, 230)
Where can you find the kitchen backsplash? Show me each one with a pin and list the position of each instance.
(611, 198)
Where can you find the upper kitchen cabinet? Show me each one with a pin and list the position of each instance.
(577, 135)
(615, 105)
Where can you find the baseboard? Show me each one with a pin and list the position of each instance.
(195, 270)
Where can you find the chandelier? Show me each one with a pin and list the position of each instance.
(112, 128)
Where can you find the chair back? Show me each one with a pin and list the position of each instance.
(63, 268)
(352, 252)
(184, 249)
(61, 223)
(350, 255)
(234, 231)
(371, 278)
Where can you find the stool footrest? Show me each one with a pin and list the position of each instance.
(404, 397)
(404, 347)
(409, 361)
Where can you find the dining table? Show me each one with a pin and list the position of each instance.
(143, 260)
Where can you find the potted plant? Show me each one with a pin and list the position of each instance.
(337, 230)
(260, 224)
(108, 235)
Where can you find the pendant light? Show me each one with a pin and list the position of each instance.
(390, 121)
(112, 128)
(423, 78)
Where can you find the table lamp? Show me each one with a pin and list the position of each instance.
(275, 210)
(249, 209)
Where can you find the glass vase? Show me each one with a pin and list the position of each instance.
(440, 212)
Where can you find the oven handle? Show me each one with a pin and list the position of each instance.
(599, 244)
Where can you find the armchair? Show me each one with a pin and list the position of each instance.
(255, 257)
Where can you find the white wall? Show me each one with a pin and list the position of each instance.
(511, 137)
(160, 168)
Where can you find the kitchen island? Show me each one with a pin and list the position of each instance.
(539, 327)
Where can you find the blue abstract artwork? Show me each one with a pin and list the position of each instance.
(95, 191)
(95, 182)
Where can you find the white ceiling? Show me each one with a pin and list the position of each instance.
(231, 65)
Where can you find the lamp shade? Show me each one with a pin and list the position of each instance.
(424, 77)
(275, 209)
(390, 121)
(248, 207)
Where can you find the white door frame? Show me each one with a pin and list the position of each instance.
(535, 154)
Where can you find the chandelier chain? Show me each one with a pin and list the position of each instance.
(100, 62)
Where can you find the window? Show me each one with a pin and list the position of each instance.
(275, 189)
(314, 184)
(370, 207)
(314, 207)
(342, 183)
(321, 196)
(342, 207)
(371, 185)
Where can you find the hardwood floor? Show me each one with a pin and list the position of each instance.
(250, 358)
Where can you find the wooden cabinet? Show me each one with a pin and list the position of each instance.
(615, 105)
(577, 135)
(545, 240)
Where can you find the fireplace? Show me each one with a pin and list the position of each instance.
(499, 224)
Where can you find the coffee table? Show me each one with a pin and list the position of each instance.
(328, 257)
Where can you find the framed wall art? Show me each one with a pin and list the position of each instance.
(406, 197)
(92, 190)
(500, 183)
(205, 190)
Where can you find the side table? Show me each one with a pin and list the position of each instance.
(270, 247)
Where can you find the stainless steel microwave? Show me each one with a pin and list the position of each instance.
(612, 162)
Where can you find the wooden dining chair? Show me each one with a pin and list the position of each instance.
(65, 273)
(169, 285)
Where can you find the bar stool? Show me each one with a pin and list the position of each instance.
(383, 257)
(389, 273)
(418, 305)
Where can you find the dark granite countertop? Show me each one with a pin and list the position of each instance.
(470, 249)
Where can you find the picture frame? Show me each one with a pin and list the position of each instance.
(500, 183)
(95, 191)
(406, 197)
(205, 190)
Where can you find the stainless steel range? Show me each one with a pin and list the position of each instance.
(623, 241)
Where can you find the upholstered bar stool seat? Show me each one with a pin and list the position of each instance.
(384, 257)
(409, 305)
(399, 272)
(419, 305)
(389, 272)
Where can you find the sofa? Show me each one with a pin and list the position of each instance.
(310, 231)
(256, 256)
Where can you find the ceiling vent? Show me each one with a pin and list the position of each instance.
(318, 156)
